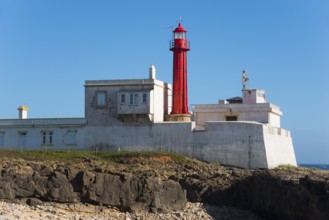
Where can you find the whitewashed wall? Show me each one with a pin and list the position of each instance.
(278, 145)
(12, 130)
(242, 144)
(265, 113)
(155, 107)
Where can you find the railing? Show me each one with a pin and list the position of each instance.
(180, 44)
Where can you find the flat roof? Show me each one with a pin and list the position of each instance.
(120, 82)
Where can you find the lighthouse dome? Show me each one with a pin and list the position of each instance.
(180, 28)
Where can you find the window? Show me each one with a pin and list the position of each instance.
(101, 99)
(47, 137)
(179, 35)
(231, 118)
(44, 138)
(50, 137)
(144, 98)
(123, 98)
(135, 99)
(71, 137)
(2, 138)
(131, 99)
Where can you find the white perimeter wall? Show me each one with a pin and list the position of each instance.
(278, 145)
(240, 144)
(243, 144)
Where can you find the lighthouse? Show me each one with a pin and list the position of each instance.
(179, 46)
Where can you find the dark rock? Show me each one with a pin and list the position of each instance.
(285, 193)
(46, 170)
(59, 188)
(6, 189)
(40, 183)
(130, 193)
(77, 181)
(65, 184)
(34, 202)
(272, 194)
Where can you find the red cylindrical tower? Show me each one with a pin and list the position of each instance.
(179, 45)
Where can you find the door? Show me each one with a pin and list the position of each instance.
(22, 140)
(2, 139)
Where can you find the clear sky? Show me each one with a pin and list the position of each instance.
(49, 48)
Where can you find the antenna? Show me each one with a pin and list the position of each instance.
(179, 20)
(171, 27)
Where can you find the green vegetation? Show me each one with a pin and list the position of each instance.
(121, 155)
(286, 166)
(65, 156)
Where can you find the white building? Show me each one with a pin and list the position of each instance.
(131, 115)
(251, 107)
(114, 102)
(36, 134)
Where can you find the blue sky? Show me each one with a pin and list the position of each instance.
(49, 48)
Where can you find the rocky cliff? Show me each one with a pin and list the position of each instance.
(283, 193)
(67, 183)
(159, 183)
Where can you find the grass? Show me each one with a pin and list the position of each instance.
(287, 166)
(73, 155)
(119, 155)
(61, 155)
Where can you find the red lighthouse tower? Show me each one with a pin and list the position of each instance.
(179, 45)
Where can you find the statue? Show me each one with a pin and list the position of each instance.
(244, 79)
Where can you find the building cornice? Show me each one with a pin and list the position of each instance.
(128, 82)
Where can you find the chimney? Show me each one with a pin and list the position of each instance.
(22, 112)
(152, 72)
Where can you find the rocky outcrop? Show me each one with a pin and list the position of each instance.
(283, 193)
(160, 185)
(65, 184)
